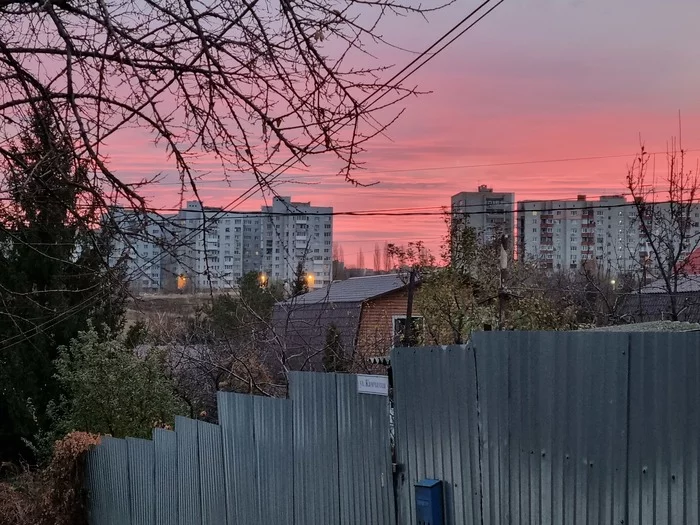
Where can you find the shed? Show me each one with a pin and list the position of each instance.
(367, 312)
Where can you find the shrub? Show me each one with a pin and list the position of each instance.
(55, 495)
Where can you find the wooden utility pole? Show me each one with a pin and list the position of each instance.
(503, 264)
(408, 328)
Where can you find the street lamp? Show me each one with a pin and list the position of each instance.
(310, 280)
(262, 279)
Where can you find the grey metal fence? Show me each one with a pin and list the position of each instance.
(269, 461)
(523, 428)
(555, 428)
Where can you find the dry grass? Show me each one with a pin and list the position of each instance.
(55, 495)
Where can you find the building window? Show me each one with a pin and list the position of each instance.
(399, 328)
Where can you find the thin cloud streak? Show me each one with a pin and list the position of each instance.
(538, 79)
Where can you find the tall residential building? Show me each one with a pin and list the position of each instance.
(139, 247)
(215, 247)
(204, 246)
(296, 234)
(489, 213)
(563, 234)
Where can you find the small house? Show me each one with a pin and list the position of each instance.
(366, 316)
(653, 302)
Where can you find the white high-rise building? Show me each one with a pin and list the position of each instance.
(202, 247)
(139, 247)
(564, 234)
(489, 213)
(297, 235)
(214, 247)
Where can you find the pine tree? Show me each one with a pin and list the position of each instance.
(53, 274)
(333, 358)
(301, 285)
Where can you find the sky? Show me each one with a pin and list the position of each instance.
(536, 80)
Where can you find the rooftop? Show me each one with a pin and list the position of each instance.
(650, 326)
(686, 284)
(353, 290)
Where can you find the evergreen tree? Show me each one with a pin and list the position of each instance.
(53, 274)
(333, 356)
(301, 284)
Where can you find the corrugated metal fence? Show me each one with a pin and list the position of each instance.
(553, 428)
(523, 428)
(269, 461)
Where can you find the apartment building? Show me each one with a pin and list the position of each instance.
(204, 246)
(564, 234)
(296, 234)
(215, 247)
(489, 213)
(139, 247)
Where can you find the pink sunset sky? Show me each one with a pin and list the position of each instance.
(535, 80)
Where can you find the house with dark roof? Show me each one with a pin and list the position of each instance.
(368, 314)
(653, 302)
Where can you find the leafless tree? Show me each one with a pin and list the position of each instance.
(377, 258)
(598, 296)
(338, 254)
(386, 258)
(360, 260)
(245, 82)
(667, 219)
(251, 86)
(217, 348)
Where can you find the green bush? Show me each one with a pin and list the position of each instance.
(109, 389)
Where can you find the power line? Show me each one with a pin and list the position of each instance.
(421, 211)
(50, 323)
(445, 210)
(587, 206)
(294, 159)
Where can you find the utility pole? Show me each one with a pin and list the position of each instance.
(408, 328)
(503, 264)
